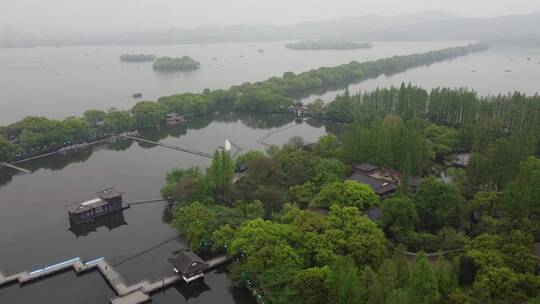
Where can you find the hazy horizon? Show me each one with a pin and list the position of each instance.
(97, 16)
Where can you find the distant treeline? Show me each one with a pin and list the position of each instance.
(137, 57)
(503, 129)
(327, 45)
(37, 134)
(451, 107)
(184, 63)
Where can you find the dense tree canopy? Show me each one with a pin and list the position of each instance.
(184, 63)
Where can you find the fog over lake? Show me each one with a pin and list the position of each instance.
(56, 82)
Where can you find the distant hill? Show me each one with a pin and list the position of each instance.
(427, 25)
(505, 27)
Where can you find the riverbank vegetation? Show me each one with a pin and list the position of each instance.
(274, 95)
(184, 63)
(327, 45)
(137, 57)
(298, 231)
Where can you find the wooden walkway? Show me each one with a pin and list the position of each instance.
(149, 201)
(187, 150)
(126, 294)
(15, 167)
(262, 139)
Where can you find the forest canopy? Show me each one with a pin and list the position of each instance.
(184, 63)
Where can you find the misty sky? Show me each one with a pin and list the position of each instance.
(99, 15)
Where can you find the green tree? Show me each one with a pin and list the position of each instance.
(398, 296)
(438, 205)
(94, 116)
(399, 216)
(188, 185)
(328, 170)
(423, 287)
(195, 222)
(7, 149)
(369, 286)
(362, 239)
(247, 157)
(388, 278)
(119, 121)
(495, 283)
(342, 282)
(402, 266)
(327, 147)
(521, 198)
(221, 173)
(347, 194)
(149, 114)
(310, 285)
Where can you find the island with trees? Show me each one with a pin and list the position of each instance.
(36, 135)
(328, 45)
(184, 63)
(137, 57)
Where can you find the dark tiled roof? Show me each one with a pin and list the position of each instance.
(368, 168)
(374, 213)
(186, 261)
(382, 188)
(109, 193)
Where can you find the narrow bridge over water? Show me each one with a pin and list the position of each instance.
(183, 149)
(15, 167)
(126, 294)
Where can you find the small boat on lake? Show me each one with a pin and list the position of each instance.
(137, 95)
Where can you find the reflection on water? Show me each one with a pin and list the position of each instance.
(64, 81)
(35, 230)
(499, 70)
(192, 290)
(109, 221)
(249, 120)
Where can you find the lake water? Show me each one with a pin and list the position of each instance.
(57, 82)
(35, 230)
(499, 70)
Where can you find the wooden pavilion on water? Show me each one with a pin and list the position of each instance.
(189, 265)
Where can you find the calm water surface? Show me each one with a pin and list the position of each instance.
(499, 70)
(35, 230)
(56, 82)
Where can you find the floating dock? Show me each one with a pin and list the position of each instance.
(126, 294)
